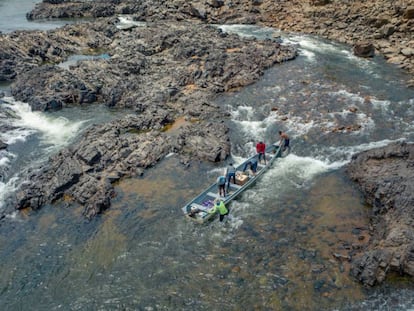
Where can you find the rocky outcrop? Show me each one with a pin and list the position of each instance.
(85, 172)
(387, 25)
(386, 177)
(176, 56)
(162, 72)
(169, 70)
(23, 51)
(364, 49)
(3, 145)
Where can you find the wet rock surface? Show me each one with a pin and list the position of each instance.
(388, 26)
(165, 73)
(3, 145)
(386, 177)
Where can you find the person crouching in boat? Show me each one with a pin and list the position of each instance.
(220, 208)
(252, 164)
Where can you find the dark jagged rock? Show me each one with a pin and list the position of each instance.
(162, 51)
(164, 71)
(170, 69)
(409, 13)
(364, 49)
(386, 24)
(3, 145)
(386, 177)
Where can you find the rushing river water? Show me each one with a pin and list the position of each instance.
(285, 243)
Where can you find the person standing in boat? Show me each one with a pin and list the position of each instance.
(284, 141)
(261, 151)
(221, 184)
(220, 208)
(230, 173)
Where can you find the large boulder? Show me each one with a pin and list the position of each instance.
(409, 13)
(386, 177)
(216, 3)
(364, 49)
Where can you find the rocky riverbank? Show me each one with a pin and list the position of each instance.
(165, 73)
(386, 177)
(168, 70)
(385, 27)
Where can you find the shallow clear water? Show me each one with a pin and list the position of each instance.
(284, 245)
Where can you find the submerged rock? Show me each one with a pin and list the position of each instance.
(386, 177)
(3, 145)
(364, 49)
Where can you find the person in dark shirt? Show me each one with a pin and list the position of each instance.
(253, 165)
(221, 184)
(231, 173)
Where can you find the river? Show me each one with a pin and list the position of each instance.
(285, 242)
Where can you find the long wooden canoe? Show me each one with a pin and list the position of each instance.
(197, 209)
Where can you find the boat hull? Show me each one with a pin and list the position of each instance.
(198, 209)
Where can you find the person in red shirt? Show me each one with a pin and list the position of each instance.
(261, 151)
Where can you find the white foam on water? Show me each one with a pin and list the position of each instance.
(6, 188)
(308, 54)
(364, 63)
(237, 159)
(15, 135)
(127, 22)
(366, 122)
(309, 45)
(254, 130)
(53, 130)
(250, 31)
(302, 168)
(383, 105)
(242, 111)
(409, 103)
(250, 128)
(291, 171)
(297, 125)
(3, 192)
(356, 98)
(275, 89)
(312, 44)
(15, 216)
(294, 171)
(346, 152)
(216, 172)
(4, 158)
